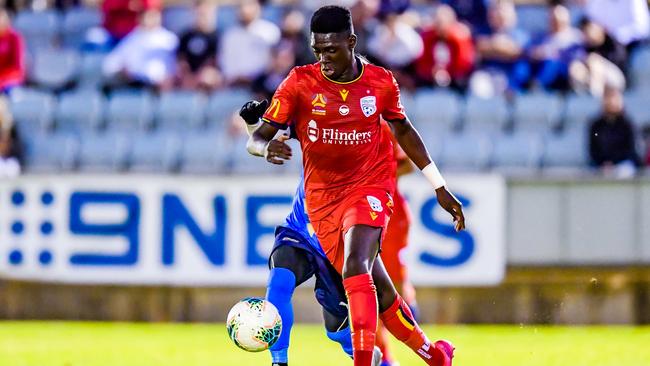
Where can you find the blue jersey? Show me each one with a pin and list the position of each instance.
(299, 221)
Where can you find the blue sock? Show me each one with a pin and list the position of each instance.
(279, 291)
(344, 338)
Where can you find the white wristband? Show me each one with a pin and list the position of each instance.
(257, 148)
(251, 128)
(433, 175)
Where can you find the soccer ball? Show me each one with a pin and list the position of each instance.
(254, 324)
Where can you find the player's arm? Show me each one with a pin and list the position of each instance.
(409, 139)
(261, 142)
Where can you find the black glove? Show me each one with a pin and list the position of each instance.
(253, 110)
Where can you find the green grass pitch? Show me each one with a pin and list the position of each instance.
(128, 344)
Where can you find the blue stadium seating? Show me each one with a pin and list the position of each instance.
(178, 18)
(436, 110)
(106, 151)
(76, 22)
(532, 19)
(223, 104)
(33, 110)
(55, 69)
(204, 152)
(639, 70)
(50, 153)
(637, 106)
(181, 110)
(90, 73)
(41, 29)
(465, 152)
(517, 152)
(80, 111)
(565, 152)
(580, 110)
(486, 115)
(539, 112)
(130, 110)
(244, 163)
(156, 152)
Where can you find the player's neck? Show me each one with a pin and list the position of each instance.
(352, 72)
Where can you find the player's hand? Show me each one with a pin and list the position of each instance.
(452, 205)
(278, 151)
(253, 110)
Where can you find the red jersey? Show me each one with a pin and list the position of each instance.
(12, 67)
(338, 126)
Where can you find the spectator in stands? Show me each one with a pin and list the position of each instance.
(245, 51)
(122, 16)
(197, 51)
(146, 57)
(12, 67)
(552, 57)
(601, 63)
(364, 20)
(474, 13)
(500, 51)
(293, 35)
(611, 138)
(283, 59)
(394, 42)
(10, 148)
(448, 56)
(627, 21)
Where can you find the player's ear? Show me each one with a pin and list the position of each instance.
(352, 41)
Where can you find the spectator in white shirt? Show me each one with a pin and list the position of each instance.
(145, 57)
(626, 20)
(245, 51)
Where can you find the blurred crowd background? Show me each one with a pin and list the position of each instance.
(492, 85)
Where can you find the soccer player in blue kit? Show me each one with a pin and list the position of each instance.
(297, 256)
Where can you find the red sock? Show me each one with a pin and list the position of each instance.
(362, 300)
(400, 323)
(382, 343)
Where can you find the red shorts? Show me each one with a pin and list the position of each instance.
(396, 239)
(368, 206)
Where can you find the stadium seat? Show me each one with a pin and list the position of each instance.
(39, 28)
(181, 110)
(486, 115)
(465, 151)
(50, 153)
(226, 17)
(532, 19)
(178, 18)
(103, 152)
(637, 107)
(517, 152)
(90, 73)
(639, 70)
(55, 69)
(580, 109)
(436, 110)
(204, 152)
(223, 104)
(130, 110)
(273, 13)
(80, 111)
(565, 151)
(157, 152)
(537, 112)
(76, 22)
(32, 110)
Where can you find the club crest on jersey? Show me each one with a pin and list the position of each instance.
(318, 102)
(369, 105)
(375, 203)
(373, 216)
(312, 131)
(344, 110)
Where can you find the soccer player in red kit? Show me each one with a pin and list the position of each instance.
(335, 107)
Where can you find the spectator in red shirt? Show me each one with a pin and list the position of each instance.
(448, 56)
(121, 16)
(12, 67)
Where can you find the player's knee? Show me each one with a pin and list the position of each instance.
(282, 281)
(355, 265)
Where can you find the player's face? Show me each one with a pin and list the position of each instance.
(334, 52)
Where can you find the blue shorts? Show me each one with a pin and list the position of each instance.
(329, 290)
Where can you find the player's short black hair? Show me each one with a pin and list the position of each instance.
(332, 19)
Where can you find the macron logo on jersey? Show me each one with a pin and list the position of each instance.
(334, 136)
